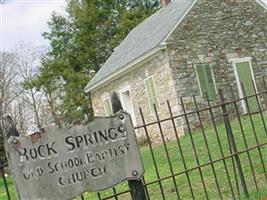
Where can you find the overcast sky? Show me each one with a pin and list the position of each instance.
(25, 20)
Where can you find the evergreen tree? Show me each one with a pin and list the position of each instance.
(82, 41)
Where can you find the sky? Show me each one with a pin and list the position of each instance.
(25, 20)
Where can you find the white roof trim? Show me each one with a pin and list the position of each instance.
(126, 67)
(240, 59)
(180, 20)
(262, 3)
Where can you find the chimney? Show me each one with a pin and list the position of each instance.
(164, 2)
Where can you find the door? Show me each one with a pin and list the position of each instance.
(244, 74)
(127, 105)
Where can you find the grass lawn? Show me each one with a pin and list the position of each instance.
(11, 188)
(219, 167)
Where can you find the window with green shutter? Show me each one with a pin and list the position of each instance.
(151, 92)
(107, 107)
(206, 82)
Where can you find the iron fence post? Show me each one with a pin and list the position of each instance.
(233, 144)
(136, 186)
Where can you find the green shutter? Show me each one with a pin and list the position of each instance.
(151, 92)
(107, 107)
(206, 81)
(201, 78)
(210, 83)
(245, 77)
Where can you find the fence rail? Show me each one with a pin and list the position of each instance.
(223, 157)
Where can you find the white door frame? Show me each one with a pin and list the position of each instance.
(125, 89)
(240, 60)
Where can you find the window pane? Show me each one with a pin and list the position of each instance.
(107, 107)
(201, 78)
(206, 81)
(210, 84)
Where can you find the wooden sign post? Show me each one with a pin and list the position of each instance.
(136, 186)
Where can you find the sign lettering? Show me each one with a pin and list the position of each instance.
(65, 162)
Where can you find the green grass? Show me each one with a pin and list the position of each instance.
(261, 195)
(11, 188)
(177, 165)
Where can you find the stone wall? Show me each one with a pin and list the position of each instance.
(158, 67)
(214, 32)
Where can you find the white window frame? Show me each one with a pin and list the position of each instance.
(109, 100)
(234, 61)
(212, 75)
(151, 106)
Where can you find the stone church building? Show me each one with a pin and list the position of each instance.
(188, 47)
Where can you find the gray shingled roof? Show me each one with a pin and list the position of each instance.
(143, 38)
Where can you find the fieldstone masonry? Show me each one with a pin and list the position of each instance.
(159, 68)
(213, 32)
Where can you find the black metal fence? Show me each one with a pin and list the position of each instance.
(223, 157)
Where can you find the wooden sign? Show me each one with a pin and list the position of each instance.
(65, 162)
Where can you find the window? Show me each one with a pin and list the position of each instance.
(206, 81)
(107, 106)
(244, 76)
(151, 92)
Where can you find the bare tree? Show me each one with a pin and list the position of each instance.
(21, 114)
(27, 61)
(8, 75)
(2, 2)
(8, 94)
(14, 100)
(31, 107)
